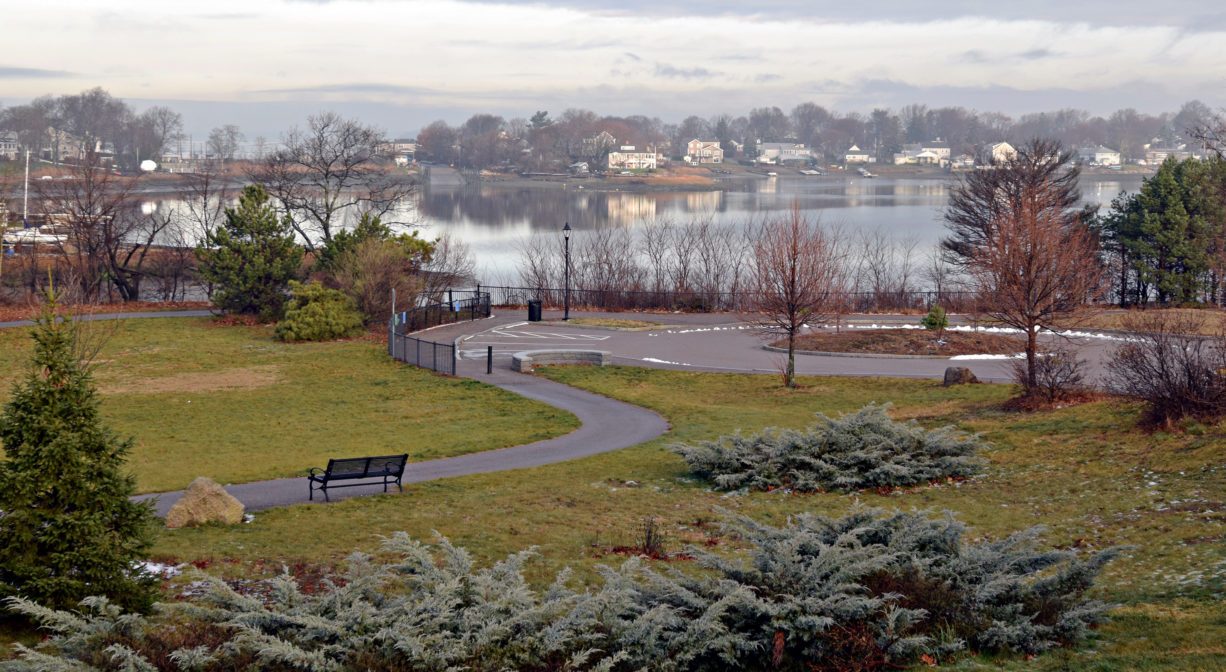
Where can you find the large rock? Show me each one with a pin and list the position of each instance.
(204, 502)
(958, 375)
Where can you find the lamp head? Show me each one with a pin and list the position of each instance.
(566, 230)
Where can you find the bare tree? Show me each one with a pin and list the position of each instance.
(328, 172)
(451, 263)
(1041, 168)
(223, 142)
(1210, 131)
(797, 278)
(1034, 268)
(107, 241)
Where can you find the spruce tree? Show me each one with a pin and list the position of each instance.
(68, 529)
(251, 257)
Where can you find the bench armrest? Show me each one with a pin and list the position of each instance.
(315, 471)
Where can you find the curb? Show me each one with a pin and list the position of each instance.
(870, 355)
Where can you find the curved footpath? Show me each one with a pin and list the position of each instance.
(607, 424)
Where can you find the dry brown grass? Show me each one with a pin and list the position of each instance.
(907, 342)
(1211, 320)
(200, 381)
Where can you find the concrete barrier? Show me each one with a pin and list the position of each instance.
(524, 361)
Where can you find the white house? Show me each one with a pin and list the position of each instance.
(8, 145)
(855, 155)
(1001, 152)
(782, 152)
(1099, 155)
(933, 153)
(628, 158)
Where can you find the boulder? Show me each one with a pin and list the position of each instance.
(958, 375)
(204, 502)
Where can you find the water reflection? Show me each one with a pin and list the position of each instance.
(493, 219)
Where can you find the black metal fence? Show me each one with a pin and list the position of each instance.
(616, 300)
(461, 305)
(419, 352)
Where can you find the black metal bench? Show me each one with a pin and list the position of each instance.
(388, 468)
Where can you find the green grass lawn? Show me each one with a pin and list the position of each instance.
(1085, 473)
(234, 404)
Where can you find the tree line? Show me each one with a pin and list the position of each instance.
(543, 143)
(68, 128)
(325, 180)
(94, 120)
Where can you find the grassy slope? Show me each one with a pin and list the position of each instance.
(236, 405)
(1085, 473)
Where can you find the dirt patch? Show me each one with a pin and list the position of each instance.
(30, 309)
(211, 381)
(908, 342)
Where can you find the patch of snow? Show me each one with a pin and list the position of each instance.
(664, 361)
(1014, 356)
(159, 569)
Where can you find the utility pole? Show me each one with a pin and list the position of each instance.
(25, 204)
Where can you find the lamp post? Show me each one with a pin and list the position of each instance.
(566, 293)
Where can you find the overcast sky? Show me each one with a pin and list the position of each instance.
(266, 64)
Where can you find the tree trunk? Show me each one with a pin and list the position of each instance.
(1030, 354)
(791, 372)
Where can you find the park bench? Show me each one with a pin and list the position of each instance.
(388, 468)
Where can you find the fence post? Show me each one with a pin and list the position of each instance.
(489, 359)
(417, 360)
(434, 354)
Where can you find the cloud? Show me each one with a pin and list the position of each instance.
(356, 88)
(766, 78)
(1186, 14)
(1036, 54)
(633, 57)
(32, 73)
(666, 70)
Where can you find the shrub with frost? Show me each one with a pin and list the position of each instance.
(865, 449)
(871, 590)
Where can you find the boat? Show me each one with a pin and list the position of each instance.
(46, 235)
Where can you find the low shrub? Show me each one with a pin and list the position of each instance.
(1178, 374)
(1059, 373)
(936, 319)
(865, 449)
(318, 314)
(868, 591)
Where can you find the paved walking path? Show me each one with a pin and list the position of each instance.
(607, 425)
(702, 342)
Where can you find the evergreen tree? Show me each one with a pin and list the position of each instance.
(68, 529)
(1170, 232)
(251, 257)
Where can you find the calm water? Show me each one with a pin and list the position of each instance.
(493, 220)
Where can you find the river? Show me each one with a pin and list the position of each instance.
(494, 219)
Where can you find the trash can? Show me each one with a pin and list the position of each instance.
(534, 310)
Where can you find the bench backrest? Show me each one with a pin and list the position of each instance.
(360, 467)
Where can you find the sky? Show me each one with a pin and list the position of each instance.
(400, 64)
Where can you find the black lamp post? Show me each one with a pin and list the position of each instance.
(566, 293)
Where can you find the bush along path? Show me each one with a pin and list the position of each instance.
(860, 450)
